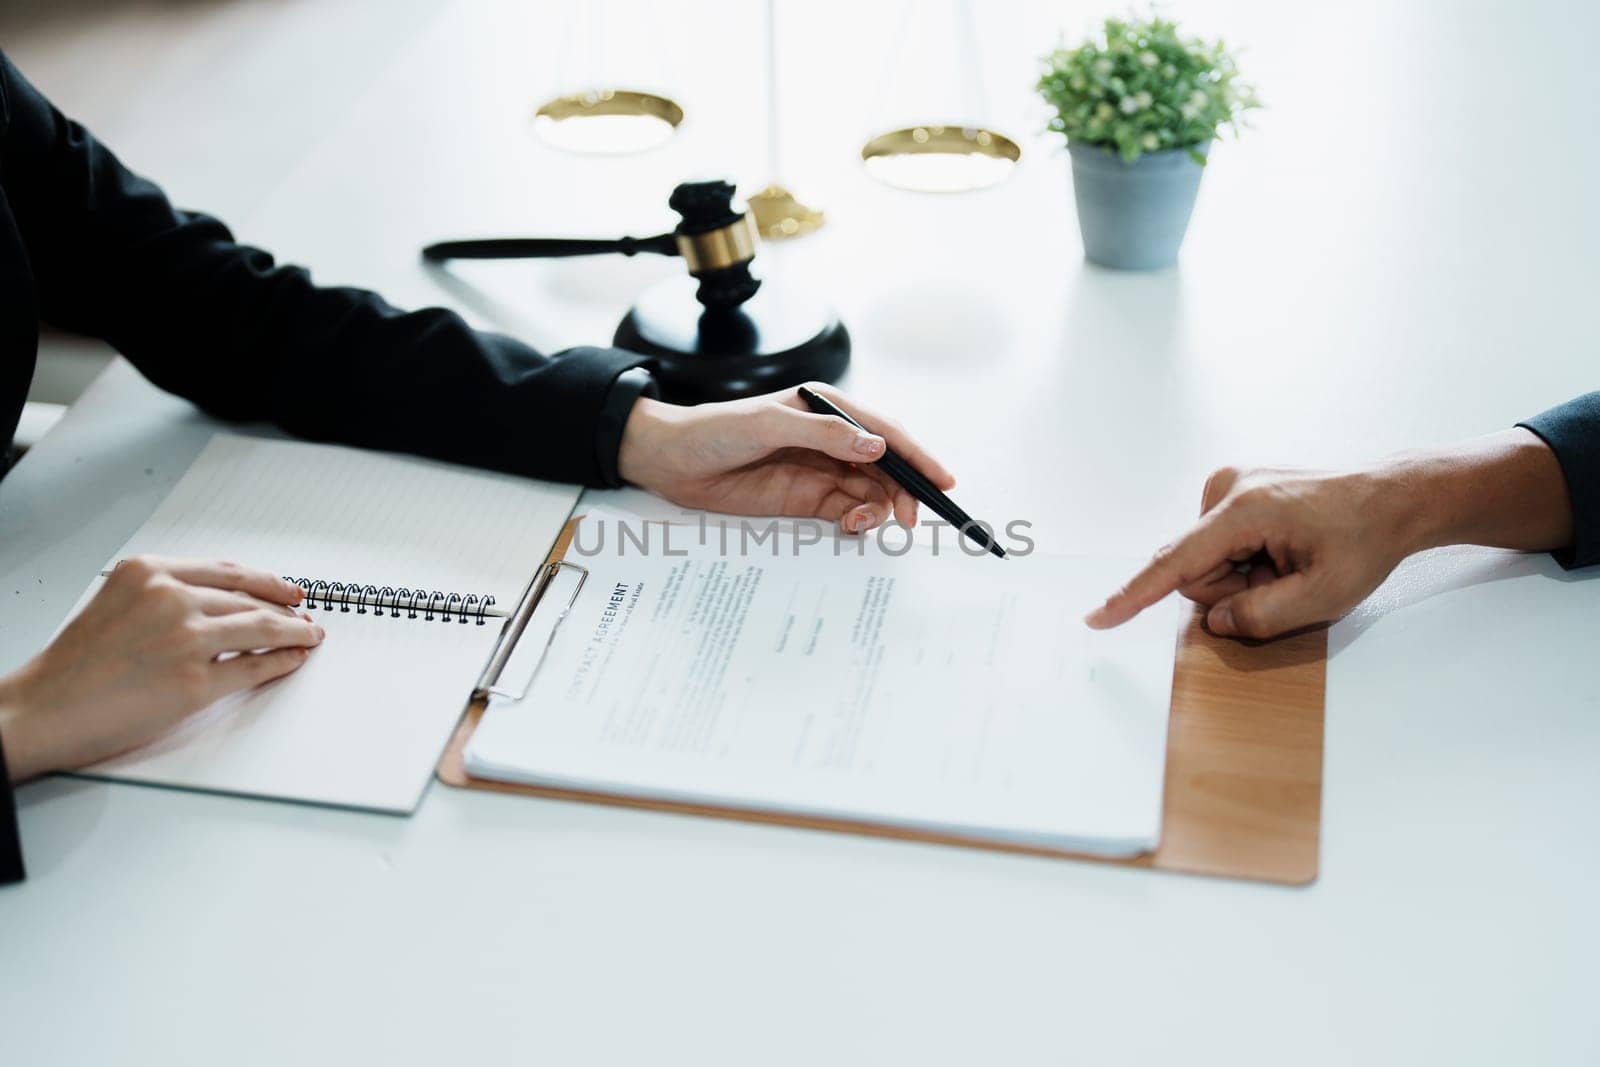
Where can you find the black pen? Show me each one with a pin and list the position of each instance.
(909, 478)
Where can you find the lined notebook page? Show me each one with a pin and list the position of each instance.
(342, 514)
(360, 724)
(363, 721)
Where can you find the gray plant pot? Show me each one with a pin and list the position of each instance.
(1133, 215)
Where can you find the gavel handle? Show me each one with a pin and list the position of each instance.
(664, 244)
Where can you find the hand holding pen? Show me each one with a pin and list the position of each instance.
(773, 455)
(909, 478)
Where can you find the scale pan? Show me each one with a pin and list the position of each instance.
(607, 121)
(941, 159)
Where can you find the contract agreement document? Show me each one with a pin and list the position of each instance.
(941, 693)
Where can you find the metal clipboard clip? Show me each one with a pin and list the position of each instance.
(489, 681)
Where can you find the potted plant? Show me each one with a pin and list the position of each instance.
(1139, 106)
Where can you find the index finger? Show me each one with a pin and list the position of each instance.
(886, 428)
(1211, 542)
(222, 574)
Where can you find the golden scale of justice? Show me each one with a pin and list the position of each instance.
(716, 334)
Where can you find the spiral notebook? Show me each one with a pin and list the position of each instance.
(411, 566)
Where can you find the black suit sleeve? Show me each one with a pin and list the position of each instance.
(10, 840)
(1573, 433)
(219, 323)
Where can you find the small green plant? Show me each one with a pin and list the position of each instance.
(1140, 87)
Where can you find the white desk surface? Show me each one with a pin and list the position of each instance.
(1401, 252)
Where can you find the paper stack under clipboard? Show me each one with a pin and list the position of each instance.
(827, 688)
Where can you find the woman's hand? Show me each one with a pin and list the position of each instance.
(161, 639)
(1279, 550)
(771, 455)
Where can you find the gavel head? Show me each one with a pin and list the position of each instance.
(717, 242)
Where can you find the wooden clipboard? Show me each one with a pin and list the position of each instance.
(1243, 796)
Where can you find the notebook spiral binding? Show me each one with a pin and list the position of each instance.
(426, 604)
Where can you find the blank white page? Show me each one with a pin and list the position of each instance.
(342, 514)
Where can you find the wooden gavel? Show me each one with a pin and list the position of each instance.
(716, 242)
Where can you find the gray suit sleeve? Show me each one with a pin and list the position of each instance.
(1572, 431)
